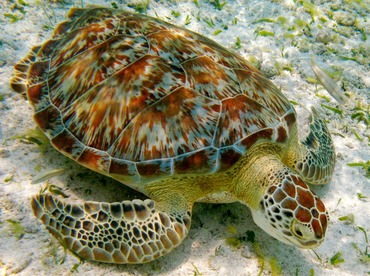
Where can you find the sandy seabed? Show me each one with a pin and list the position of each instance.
(280, 37)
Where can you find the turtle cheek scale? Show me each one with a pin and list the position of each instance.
(292, 213)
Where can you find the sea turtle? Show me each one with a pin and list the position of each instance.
(181, 119)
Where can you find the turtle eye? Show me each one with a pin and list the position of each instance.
(298, 229)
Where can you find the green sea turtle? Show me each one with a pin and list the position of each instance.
(181, 119)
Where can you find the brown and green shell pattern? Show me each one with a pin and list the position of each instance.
(136, 98)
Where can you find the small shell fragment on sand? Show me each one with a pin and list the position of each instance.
(43, 176)
(328, 83)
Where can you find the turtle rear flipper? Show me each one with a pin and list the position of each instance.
(127, 232)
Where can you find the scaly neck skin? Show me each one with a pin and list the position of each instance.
(253, 172)
(281, 203)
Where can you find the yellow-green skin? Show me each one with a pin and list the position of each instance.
(255, 154)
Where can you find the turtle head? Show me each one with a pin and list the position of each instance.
(292, 213)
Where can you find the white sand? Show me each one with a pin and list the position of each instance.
(205, 250)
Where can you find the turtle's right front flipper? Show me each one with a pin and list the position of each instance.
(128, 232)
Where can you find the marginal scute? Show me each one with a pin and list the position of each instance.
(203, 161)
(249, 141)
(93, 158)
(68, 144)
(228, 157)
(153, 168)
(122, 167)
(48, 120)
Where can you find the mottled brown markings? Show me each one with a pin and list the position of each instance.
(68, 144)
(150, 169)
(197, 162)
(62, 29)
(122, 167)
(258, 87)
(76, 76)
(249, 141)
(290, 119)
(134, 24)
(152, 135)
(38, 72)
(96, 159)
(107, 38)
(210, 78)
(19, 82)
(282, 135)
(100, 116)
(82, 39)
(49, 120)
(174, 45)
(218, 60)
(212, 49)
(228, 157)
(241, 117)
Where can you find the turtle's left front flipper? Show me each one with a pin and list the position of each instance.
(129, 232)
(315, 159)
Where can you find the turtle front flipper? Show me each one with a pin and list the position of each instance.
(128, 232)
(314, 157)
